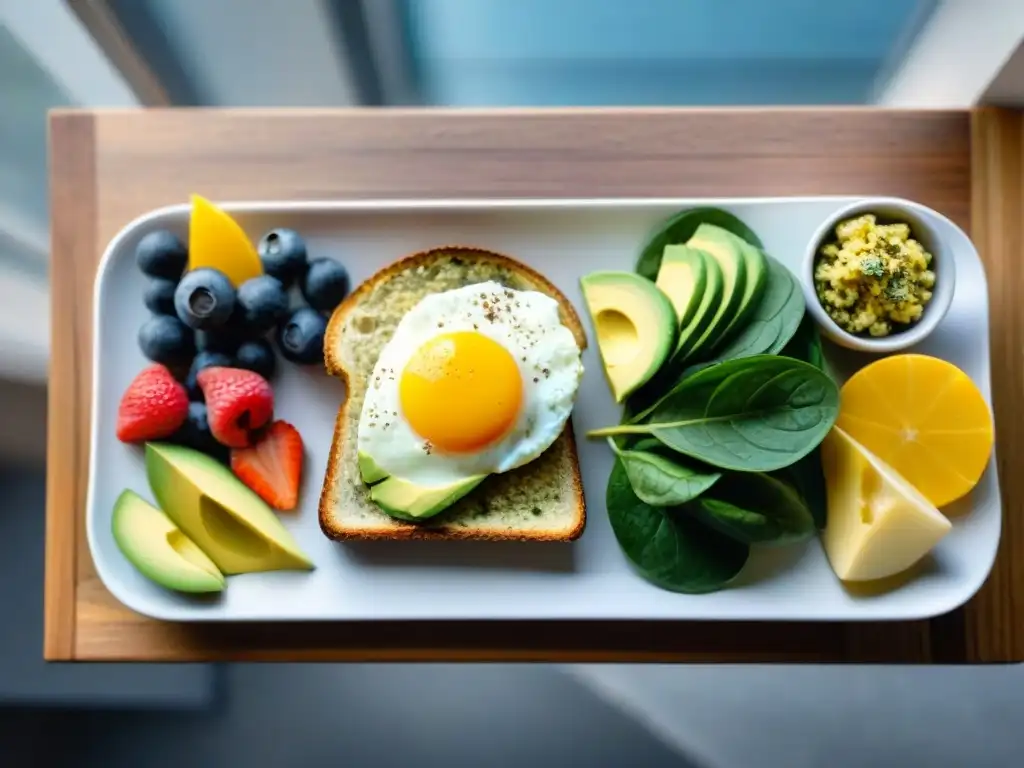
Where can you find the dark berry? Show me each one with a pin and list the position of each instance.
(283, 254)
(301, 336)
(204, 360)
(325, 284)
(165, 339)
(195, 432)
(204, 299)
(159, 296)
(161, 254)
(258, 356)
(263, 302)
(223, 340)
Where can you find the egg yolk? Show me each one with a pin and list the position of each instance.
(461, 392)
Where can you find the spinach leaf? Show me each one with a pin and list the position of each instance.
(755, 508)
(680, 228)
(806, 343)
(807, 475)
(641, 402)
(775, 319)
(661, 481)
(755, 414)
(807, 478)
(740, 524)
(667, 546)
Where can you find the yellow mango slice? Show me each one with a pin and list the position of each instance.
(216, 240)
(925, 418)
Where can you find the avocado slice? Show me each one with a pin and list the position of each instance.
(227, 520)
(682, 277)
(724, 247)
(159, 550)
(635, 326)
(408, 501)
(709, 303)
(757, 282)
(369, 470)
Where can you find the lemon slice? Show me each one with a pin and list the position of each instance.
(925, 418)
(216, 240)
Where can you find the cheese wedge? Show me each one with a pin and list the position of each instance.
(879, 525)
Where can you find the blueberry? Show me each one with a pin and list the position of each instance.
(301, 336)
(195, 433)
(264, 304)
(325, 284)
(161, 254)
(258, 356)
(223, 340)
(283, 254)
(204, 299)
(165, 339)
(201, 361)
(159, 296)
(227, 337)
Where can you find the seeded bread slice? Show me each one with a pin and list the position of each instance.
(542, 500)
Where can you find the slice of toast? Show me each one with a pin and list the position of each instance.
(542, 500)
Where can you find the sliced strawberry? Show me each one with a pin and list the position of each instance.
(237, 403)
(153, 406)
(273, 466)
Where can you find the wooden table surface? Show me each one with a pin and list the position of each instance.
(110, 166)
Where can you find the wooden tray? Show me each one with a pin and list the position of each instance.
(109, 167)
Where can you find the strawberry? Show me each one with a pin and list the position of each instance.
(237, 402)
(273, 466)
(153, 406)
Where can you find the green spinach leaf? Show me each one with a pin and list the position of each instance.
(661, 481)
(755, 508)
(807, 475)
(755, 414)
(680, 228)
(669, 547)
(807, 478)
(806, 343)
(773, 322)
(740, 524)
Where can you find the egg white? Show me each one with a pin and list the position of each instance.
(527, 324)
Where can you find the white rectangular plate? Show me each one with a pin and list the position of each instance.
(588, 579)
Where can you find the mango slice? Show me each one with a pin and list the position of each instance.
(216, 240)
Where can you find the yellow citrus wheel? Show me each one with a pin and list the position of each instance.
(925, 418)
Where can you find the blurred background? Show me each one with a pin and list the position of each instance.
(479, 53)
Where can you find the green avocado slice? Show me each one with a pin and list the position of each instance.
(757, 282)
(683, 277)
(159, 550)
(706, 310)
(408, 501)
(227, 520)
(635, 326)
(724, 248)
(369, 470)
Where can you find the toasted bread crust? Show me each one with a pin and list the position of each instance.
(406, 531)
(396, 529)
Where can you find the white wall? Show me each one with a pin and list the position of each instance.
(1008, 87)
(237, 53)
(958, 54)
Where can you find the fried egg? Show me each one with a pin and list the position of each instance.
(476, 380)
